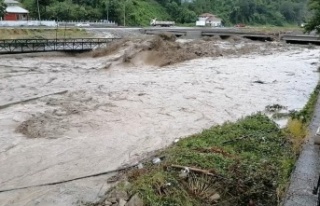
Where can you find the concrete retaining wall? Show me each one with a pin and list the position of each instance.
(27, 23)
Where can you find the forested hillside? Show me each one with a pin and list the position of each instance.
(139, 12)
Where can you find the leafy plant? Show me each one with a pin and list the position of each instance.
(314, 21)
(2, 8)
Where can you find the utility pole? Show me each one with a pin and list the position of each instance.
(108, 10)
(56, 44)
(38, 10)
(57, 30)
(65, 25)
(124, 14)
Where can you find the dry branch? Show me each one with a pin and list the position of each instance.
(30, 99)
(206, 172)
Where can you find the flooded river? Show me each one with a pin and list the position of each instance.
(103, 119)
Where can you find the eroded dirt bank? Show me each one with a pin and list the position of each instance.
(114, 111)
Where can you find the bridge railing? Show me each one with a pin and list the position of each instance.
(8, 46)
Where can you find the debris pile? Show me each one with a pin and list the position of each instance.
(163, 50)
(54, 122)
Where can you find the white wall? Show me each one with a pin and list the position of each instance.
(201, 22)
(204, 22)
(27, 23)
(215, 23)
(202, 18)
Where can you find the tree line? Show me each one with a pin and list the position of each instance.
(139, 12)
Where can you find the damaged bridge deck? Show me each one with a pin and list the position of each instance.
(12, 46)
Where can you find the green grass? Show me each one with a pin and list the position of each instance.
(299, 121)
(275, 29)
(142, 12)
(306, 114)
(253, 156)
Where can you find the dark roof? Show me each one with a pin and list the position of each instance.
(210, 17)
(213, 18)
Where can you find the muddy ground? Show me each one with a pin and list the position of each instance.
(92, 113)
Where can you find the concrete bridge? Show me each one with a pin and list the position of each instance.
(227, 32)
(202, 32)
(12, 46)
(302, 39)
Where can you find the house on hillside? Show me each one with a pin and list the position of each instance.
(14, 12)
(207, 19)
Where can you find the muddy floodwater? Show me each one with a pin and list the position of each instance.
(82, 119)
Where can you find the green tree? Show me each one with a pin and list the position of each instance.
(288, 11)
(140, 12)
(2, 8)
(314, 21)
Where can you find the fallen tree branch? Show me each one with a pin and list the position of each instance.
(206, 172)
(30, 99)
(194, 170)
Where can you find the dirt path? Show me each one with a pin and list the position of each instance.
(109, 118)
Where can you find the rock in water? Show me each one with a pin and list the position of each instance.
(107, 203)
(122, 202)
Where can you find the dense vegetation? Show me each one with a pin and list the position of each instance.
(250, 162)
(2, 8)
(139, 12)
(314, 21)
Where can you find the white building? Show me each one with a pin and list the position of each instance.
(207, 19)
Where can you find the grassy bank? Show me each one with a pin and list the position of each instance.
(299, 122)
(306, 114)
(16, 33)
(242, 163)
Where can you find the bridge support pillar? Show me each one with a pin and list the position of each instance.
(193, 34)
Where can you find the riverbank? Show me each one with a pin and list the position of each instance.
(244, 163)
(306, 172)
(250, 162)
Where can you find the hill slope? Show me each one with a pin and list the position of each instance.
(139, 12)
